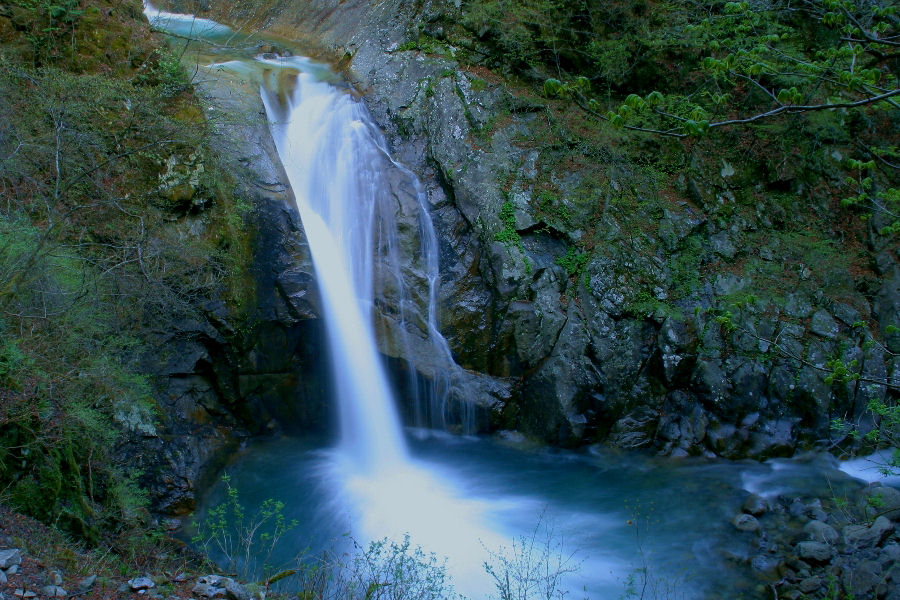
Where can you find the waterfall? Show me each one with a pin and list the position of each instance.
(348, 192)
(325, 142)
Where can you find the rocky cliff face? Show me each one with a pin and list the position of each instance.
(649, 311)
(226, 377)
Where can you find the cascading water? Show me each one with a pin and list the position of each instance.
(338, 167)
(334, 163)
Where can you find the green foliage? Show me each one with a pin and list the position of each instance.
(841, 372)
(243, 541)
(508, 235)
(50, 21)
(61, 384)
(92, 259)
(389, 570)
(887, 432)
(574, 261)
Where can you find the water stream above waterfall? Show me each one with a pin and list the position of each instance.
(461, 497)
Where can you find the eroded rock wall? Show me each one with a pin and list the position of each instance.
(668, 332)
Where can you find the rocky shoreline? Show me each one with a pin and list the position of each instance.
(809, 547)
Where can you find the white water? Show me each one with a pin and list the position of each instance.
(337, 163)
(330, 152)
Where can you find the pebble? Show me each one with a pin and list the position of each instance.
(25, 594)
(3, 578)
(12, 570)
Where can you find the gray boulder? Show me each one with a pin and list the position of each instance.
(862, 536)
(745, 522)
(10, 557)
(53, 591)
(815, 552)
(821, 532)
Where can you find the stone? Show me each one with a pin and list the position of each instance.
(141, 583)
(816, 552)
(890, 554)
(53, 591)
(861, 536)
(722, 245)
(9, 558)
(767, 566)
(755, 505)
(823, 324)
(87, 583)
(745, 522)
(12, 570)
(797, 306)
(208, 591)
(862, 579)
(810, 584)
(880, 499)
(821, 532)
(235, 591)
(21, 593)
(3, 578)
(846, 313)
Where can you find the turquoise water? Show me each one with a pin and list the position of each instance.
(614, 513)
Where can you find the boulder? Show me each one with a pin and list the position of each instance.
(823, 324)
(141, 583)
(862, 536)
(814, 552)
(10, 557)
(821, 532)
(235, 591)
(861, 580)
(745, 522)
(880, 500)
(810, 584)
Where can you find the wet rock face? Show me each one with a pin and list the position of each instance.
(613, 347)
(226, 372)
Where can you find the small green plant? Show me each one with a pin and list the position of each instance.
(574, 261)
(243, 541)
(508, 235)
